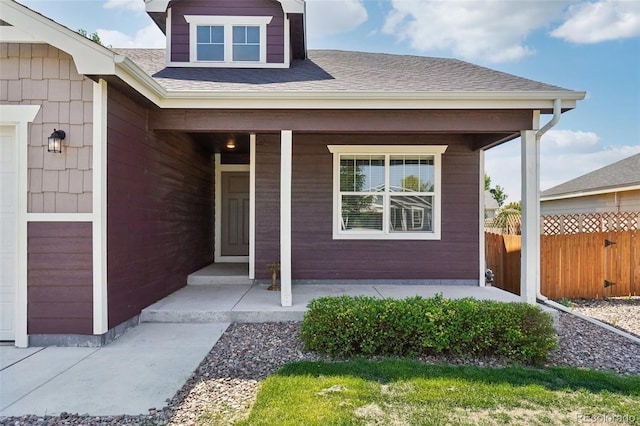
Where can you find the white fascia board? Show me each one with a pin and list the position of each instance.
(292, 6)
(590, 193)
(156, 5)
(367, 100)
(88, 56)
(136, 78)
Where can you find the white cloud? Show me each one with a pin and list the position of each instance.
(135, 5)
(149, 37)
(328, 17)
(493, 30)
(564, 155)
(601, 21)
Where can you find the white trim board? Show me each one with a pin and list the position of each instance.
(99, 227)
(436, 151)
(219, 169)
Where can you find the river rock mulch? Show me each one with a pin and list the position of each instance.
(224, 386)
(620, 312)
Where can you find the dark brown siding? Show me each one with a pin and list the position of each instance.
(317, 256)
(180, 27)
(159, 210)
(60, 278)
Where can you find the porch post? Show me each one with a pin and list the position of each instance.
(530, 255)
(286, 145)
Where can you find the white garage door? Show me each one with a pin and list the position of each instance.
(8, 211)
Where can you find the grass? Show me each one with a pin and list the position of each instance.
(405, 392)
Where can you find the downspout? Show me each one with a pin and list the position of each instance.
(557, 111)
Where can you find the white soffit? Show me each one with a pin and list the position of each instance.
(31, 27)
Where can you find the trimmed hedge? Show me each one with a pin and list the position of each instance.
(347, 326)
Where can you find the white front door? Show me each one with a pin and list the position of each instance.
(8, 232)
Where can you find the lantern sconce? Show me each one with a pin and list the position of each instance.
(55, 141)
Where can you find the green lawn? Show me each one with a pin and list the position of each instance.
(404, 392)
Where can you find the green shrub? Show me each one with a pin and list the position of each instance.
(347, 326)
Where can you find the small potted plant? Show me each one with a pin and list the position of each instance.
(274, 267)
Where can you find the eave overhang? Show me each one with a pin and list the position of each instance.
(135, 77)
(28, 26)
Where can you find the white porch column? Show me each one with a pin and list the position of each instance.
(530, 255)
(483, 256)
(286, 145)
(99, 226)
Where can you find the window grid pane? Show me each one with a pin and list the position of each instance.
(362, 212)
(362, 178)
(246, 43)
(210, 43)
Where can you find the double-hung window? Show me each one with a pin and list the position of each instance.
(387, 192)
(228, 39)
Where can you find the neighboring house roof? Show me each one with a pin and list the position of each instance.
(334, 71)
(623, 175)
(490, 202)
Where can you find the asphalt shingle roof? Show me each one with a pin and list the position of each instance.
(621, 174)
(336, 71)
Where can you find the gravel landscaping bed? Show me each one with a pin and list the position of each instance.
(227, 381)
(620, 312)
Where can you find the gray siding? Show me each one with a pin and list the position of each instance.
(624, 201)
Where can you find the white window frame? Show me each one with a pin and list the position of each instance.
(228, 22)
(387, 150)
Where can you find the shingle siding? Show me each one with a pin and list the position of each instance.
(43, 75)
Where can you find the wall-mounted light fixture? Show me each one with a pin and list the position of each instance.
(55, 141)
(231, 143)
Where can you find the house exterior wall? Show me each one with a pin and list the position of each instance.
(60, 278)
(180, 27)
(39, 74)
(623, 201)
(159, 209)
(316, 256)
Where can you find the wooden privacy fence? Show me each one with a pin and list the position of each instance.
(576, 265)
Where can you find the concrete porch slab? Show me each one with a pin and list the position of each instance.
(448, 291)
(244, 303)
(206, 303)
(221, 274)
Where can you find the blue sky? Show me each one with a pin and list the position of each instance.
(591, 46)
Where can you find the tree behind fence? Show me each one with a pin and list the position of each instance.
(574, 264)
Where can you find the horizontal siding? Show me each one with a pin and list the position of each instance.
(317, 256)
(60, 278)
(180, 27)
(625, 201)
(159, 210)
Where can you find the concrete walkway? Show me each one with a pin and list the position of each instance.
(138, 371)
(149, 363)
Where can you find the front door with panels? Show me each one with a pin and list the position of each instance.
(234, 238)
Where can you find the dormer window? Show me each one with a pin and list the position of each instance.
(228, 39)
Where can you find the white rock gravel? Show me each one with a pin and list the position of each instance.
(227, 381)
